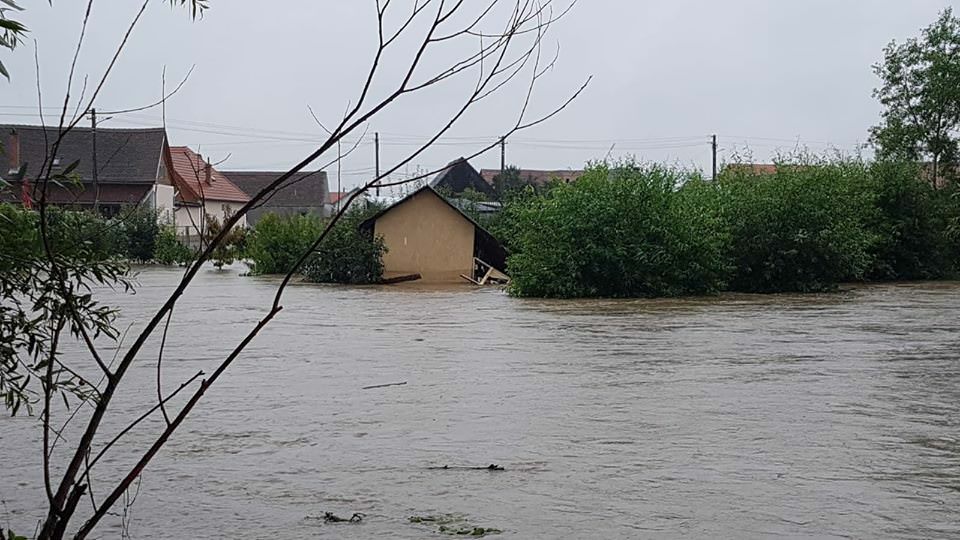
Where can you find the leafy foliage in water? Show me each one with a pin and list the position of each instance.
(277, 241)
(801, 229)
(231, 247)
(627, 230)
(622, 230)
(169, 248)
(347, 255)
(914, 225)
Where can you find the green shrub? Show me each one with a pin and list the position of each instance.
(801, 229)
(277, 242)
(231, 246)
(347, 255)
(622, 230)
(84, 247)
(169, 248)
(75, 231)
(912, 224)
(140, 227)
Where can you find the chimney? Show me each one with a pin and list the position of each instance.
(208, 173)
(13, 151)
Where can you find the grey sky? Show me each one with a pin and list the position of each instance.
(759, 73)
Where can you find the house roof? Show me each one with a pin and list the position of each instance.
(108, 194)
(303, 190)
(487, 247)
(188, 173)
(336, 196)
(458, 176)
(124, 156)
(535, 177)
(752, 168)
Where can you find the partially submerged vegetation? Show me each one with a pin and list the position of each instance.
(345, 256)
(632, 230)
(621, 230)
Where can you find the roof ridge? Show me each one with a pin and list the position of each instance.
(85, 128)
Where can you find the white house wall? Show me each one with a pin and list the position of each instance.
(190, 218)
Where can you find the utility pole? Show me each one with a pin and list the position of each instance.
(339, 167)
(376, 143)
(713, 145)
(96, 179)
(503, 155)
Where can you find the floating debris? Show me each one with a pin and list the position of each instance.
(330, 517)
(454, 525)
(467, 531)
(491, 467)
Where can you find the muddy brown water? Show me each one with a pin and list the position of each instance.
(825, 416)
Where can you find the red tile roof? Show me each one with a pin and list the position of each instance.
(759, 169)
(188, 173)
(335, 196)
(536, 177)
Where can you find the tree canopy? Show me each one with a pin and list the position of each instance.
(920, 93)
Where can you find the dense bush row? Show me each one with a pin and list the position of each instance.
(626, 230)
(134, 235)
(619, 231)
(344, 256)
(277, 242)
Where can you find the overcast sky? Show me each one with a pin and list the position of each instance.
(761, 74)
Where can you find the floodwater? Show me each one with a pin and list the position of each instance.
(825, 416)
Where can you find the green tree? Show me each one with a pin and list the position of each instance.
(623, 230)
(911, 221)
(169, 248)
(42, 300)
(141, 228)
(347, 255)
(231, 247)
(507, 181)
(277, 242)
(920, 94)
(802, 229)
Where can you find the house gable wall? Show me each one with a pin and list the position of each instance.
(426, 236)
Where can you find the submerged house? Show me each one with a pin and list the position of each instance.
(428, 236)
(126, 169)
(201, 191)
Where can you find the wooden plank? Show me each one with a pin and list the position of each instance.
(400, 279)
(486, 276)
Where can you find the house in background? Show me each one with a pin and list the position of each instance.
(304, 193)
(201, 190)
(459, 176)
(753, 169)
(535, 177)
(428, 236)
(130, 168)
(338, 199)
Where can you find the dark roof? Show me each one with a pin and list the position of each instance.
(124, 156)
(108, 194)
(189, 175)
(486, 247)
(304, 189)
(535, 177)
(458, 176)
